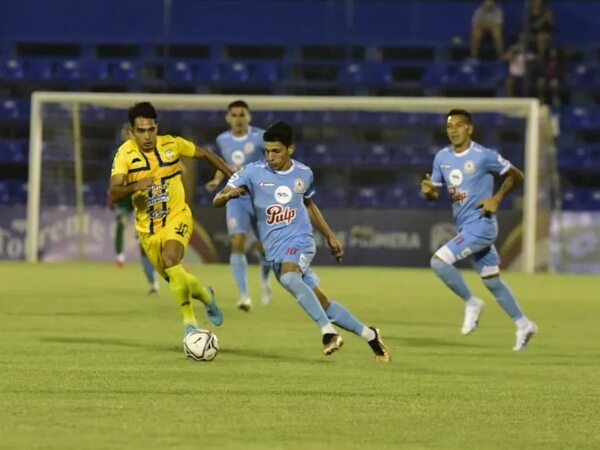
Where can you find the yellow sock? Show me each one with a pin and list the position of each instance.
(180, 288)
(197, 290)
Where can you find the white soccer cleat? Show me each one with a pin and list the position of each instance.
(473, 311)
(524, 335)
(244, 303)
(266, 293)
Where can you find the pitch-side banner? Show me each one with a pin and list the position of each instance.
(370, 237)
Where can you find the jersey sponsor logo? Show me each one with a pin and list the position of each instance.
(277, 214)
(283, 195)
(169, 154)
(249, 148)
(299, 186)
(238, 158)
(266, 184)
(457, 195)
(445, 166)
(456, 177)
(158, 213)
(469, 167)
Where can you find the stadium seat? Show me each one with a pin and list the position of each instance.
(574, 158)
(234, 73)
(13, 150)
(436, 76)
(12, 70)
(351, 75)
(265, 73)
(69, 71)
(332, 196)
(124, 72)
(179, 72)
(576, 118)
(367, 197)
(376, 154)
(583, 75)
(5, 192)
(38, 70)
(207, 73)
(9, 110)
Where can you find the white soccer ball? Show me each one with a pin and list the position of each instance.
(201, 345)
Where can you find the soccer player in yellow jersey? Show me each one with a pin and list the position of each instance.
(147, 168)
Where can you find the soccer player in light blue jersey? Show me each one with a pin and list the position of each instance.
(281, 191)
(467, 170)
(241, 145)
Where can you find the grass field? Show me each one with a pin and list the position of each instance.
(88, 361)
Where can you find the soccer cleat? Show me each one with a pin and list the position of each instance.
(214, 313)
(120, 260)
(472, 314)
(266, 293)
(244, 303)
(154, 288)
(331, 343)
(524, 335)
(189, 328)
(379, 348)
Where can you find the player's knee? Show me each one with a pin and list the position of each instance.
(170, 259)
(492, 282)
(323, 300)
(238, 243)
(291, 280)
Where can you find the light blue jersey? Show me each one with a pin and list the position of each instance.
(469, 179)
(239, 151)
(284, 225)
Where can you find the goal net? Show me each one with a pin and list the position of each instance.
(368, 154)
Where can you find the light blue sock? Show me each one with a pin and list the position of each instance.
(239, 265)
(293, 283)
(148, 269)
(343, 318)
(505, 297)
(451, 276)
(265, 268)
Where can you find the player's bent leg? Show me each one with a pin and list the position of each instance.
(120, 239)
(526, 329)
(239, 266)
(207, 296)
(291, 279)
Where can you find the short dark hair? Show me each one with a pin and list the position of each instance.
(460, 112)
(238, 104)
(142, 109)
(279, 132)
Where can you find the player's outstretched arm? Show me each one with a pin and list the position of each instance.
(213, 160)
(317, 219)
(119, 189)
(227, 194)
(429, 190)
(512, 179)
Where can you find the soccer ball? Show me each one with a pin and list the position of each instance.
(201, 345)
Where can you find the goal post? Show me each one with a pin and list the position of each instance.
(537, 131)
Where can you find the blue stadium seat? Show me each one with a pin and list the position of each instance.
(38, 70)
(396, 197)
(9, 110)
(124, 71)
(69, 70)
(378, 74)
(265, 73)
(594, 200)
(351, 74)
(13, 150)
(332, 196)
(376, 154)
(12, 70)
(584, 75)
(179, 72)
(466, 75)
(436, 75)
(368, 197)
(574, 158)
(207, 73)
(234, 73)
(5, 192)
(97, 70)
(578, 117)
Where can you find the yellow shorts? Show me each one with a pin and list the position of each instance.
(178, 228)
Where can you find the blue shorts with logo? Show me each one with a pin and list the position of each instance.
(301, 252)
(240, 216)
(475, 240)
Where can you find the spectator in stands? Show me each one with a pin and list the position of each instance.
(518, 56)
(550, 77)
(541, 26)
(487, 19)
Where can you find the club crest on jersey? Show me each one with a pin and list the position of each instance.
(277, 214)
(283, 195)
(299, 186)
(469, 167)
(169, 154)
(249, 148)
(238, 158)
(456, 177)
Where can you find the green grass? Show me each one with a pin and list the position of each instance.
(88, 361)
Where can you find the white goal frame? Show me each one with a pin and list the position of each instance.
(527, 108)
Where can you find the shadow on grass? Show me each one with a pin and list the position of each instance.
(432, 342)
